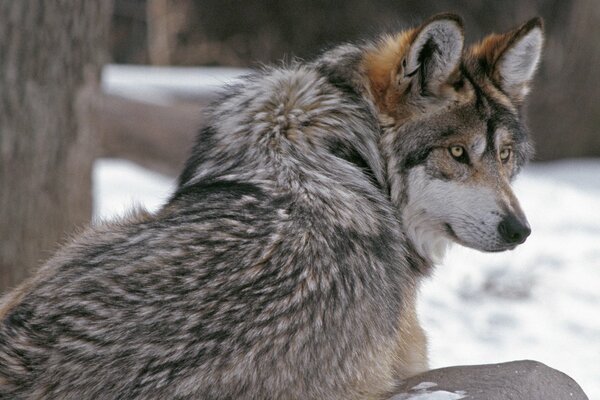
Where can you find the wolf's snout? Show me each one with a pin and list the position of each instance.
(513, 230)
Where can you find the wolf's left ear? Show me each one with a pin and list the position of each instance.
(512, 58)
(435, 52)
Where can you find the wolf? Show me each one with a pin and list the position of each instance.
(287, 262)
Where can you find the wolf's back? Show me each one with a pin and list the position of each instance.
(272, 272)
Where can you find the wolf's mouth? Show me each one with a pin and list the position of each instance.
(501, 249)
(452, 235)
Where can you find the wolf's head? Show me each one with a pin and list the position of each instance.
(455, 137)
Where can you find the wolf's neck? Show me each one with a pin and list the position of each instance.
(424, 235)
(425, 238)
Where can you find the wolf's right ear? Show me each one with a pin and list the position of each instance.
(434, 54)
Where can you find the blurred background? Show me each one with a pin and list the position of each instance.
(564, 108)
(100, 102)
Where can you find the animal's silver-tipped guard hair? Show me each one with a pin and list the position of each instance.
(287, 262)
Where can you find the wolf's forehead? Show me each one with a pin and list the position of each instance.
(487, 93)
(479, 145)
(493, 109)
(483, 142)
(501, 136)
(482, 130)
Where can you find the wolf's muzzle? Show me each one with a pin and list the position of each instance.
(514, 230)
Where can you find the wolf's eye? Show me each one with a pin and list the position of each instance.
(459, 153)
(505, 154)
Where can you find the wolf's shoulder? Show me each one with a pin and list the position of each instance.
(289, 97)
(301, 116)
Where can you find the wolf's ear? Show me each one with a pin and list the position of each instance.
(434, 53)
(512, 58)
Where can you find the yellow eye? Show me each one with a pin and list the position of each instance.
(505, 154)
(457, 151)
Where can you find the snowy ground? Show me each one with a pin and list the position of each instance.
(162, 85)
(541, 301)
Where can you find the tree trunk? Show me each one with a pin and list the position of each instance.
(51, 53)
(565, 104)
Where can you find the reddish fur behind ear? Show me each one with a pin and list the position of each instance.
(383, 65)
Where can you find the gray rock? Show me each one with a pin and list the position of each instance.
(518, 380)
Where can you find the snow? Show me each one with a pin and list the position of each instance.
(540, 301)
(423, 393)
(426, 395)
(160, 85)
(424, 385)
(121, 185)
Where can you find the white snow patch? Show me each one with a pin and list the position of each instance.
(424, 385)
(157, 85)
(425, 394)
(120, 185)
(436, 395)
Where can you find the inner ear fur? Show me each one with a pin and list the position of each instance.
(510, 59)
(435, 52)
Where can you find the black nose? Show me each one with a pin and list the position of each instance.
(513, 230)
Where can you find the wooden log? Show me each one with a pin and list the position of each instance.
(158, 137)
(515, 380)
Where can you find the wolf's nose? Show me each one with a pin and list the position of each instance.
(513, 230)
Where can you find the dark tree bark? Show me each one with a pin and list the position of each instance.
(565, 104)
(51, 53)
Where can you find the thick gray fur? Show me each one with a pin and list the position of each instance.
(278, 269)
